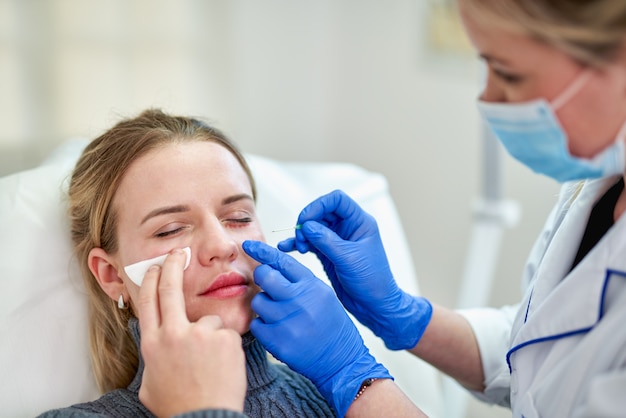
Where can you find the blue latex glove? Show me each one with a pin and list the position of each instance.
(346, 240)
(302, 323)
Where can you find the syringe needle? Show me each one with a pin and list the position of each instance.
(288, 228)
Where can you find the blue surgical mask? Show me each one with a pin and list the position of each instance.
(532, 134)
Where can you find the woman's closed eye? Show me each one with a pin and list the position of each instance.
(237, 222)
(169, 231)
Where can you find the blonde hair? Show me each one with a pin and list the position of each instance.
(591, 32)
(95, 179)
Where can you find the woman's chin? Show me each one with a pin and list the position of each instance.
(241, 325)
(238, 321)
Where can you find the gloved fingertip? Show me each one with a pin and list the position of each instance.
(299, 236)
(261, 332)
(256, 303)
(249, 247)
(308, 227)
(313, 231)
(256, 325)
(260, 251)
(287, 245)
(260, 272)
(302, 247)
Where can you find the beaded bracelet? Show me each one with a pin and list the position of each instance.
(366, 383)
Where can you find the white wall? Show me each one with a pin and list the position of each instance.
(340, 80)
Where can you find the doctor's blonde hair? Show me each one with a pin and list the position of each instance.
(591, 32)
(95, 179)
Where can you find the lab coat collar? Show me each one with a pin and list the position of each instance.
(563, 304)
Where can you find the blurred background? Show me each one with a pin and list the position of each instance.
(389, 86)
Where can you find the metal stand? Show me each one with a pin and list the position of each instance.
(492, 213)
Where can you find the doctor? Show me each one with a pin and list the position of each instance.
(556, 99)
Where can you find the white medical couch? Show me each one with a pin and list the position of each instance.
(43, 308)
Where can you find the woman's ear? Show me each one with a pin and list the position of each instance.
(103, 268)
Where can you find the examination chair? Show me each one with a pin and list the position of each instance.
(43, 307)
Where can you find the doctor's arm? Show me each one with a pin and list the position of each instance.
(383, 398)
(449, 344)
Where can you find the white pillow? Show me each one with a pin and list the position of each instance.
(43, 309)
(44, 343)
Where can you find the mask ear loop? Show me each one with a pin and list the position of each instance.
(571, 90)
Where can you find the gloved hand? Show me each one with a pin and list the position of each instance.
(302, 323)
(346, 240)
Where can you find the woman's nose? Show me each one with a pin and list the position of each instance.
(216, 244)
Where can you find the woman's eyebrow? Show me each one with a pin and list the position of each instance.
(236, 198)
(164, 211)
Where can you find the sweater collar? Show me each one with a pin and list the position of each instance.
(258, 368)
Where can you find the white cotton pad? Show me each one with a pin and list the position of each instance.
(137, 270)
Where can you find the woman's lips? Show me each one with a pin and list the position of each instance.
(226, 285)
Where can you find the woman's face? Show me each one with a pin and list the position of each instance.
(521, 68)
(197, 195)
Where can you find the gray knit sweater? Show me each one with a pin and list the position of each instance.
(273, 391)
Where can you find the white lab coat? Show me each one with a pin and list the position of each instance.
(562, 351)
